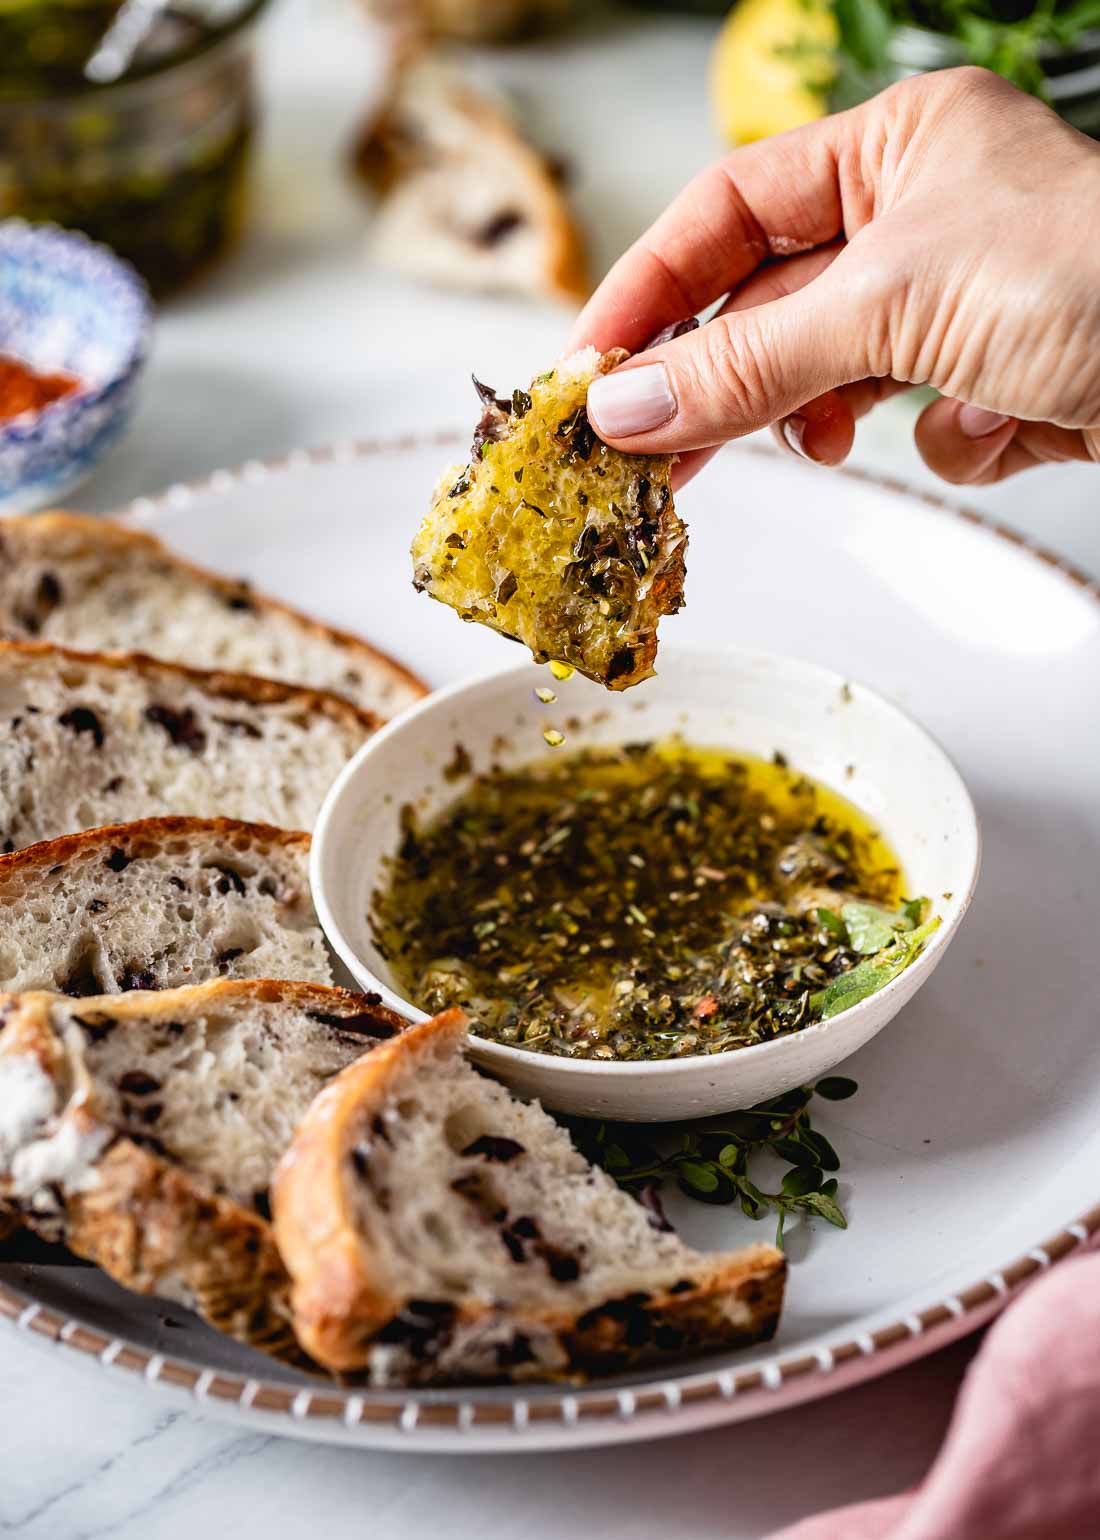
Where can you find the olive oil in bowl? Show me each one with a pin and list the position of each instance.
(644, 901)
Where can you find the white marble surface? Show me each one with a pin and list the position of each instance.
(298, 342)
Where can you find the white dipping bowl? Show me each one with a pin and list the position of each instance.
(838, 732)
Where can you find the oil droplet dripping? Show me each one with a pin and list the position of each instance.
(545, 697)
(553, 737)
(561, 670)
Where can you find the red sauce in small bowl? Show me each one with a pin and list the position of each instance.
(23, 389)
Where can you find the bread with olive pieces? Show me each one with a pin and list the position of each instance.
(101, 586)
(437, 1230)
(142, 1131)
(553, 538)
(93, 739)
(461, 200)
(159, 903)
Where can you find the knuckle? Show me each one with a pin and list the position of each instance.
(733, 372)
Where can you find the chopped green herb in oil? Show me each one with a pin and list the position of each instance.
(643, 902)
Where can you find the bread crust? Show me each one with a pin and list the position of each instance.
(149, 1223)
(339, 1300)
(86, 533)
(148, 831)
(246, 689)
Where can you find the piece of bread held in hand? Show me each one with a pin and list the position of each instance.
(93, 739)
(461, 200)
(439, 1230)
(553, 538)
(159, 903)
(143, 1130)
(105, 587)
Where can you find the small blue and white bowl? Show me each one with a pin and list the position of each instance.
(67, 304)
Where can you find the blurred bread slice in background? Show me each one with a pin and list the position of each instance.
(463, 201)
(484, 21)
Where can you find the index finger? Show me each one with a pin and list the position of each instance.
(773, 198)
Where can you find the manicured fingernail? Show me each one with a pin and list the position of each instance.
(976, 422)
(794, 431)
(631, 401)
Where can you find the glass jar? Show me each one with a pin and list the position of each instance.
(155, 165)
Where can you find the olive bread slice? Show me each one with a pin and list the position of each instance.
(92, 583)
(92, 739)
(156, 904)
(143, 1130)
(437, 1229)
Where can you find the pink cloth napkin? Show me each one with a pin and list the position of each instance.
(1021, 1460)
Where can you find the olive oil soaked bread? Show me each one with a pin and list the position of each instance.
(143, 1131)
(156, 904)
(91, 739)
(553, 538)
(437, 1229)
(91, 583)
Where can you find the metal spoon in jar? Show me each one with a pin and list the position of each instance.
(133, 22)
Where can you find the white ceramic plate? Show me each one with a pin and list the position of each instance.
(971, 1156)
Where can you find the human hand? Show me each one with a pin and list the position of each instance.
(945, 233)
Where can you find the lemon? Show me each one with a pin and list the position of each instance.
(772, 67)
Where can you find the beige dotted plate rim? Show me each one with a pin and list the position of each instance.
(553, 1419)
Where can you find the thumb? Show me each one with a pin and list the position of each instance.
(740, 372)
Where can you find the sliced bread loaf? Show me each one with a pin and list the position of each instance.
(91, 739)
(143, 1131)
(437, 1229)
(156, 904)
(87, 582)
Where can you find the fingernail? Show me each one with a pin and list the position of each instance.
(794, 431)
(631, 401)
(976, 422)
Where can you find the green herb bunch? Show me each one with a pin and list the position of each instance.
(1007, 36)
(713, 1164)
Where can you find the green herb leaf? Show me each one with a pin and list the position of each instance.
(753, 1202)
(801, 1180)
(826, 1156)
(797, 1153)
(829, 920)
(824, 1206)
(836, 1088)
(870, 927)
(698, 1178)
(873, 974)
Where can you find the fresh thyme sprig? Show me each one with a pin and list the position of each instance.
(712, 1164)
